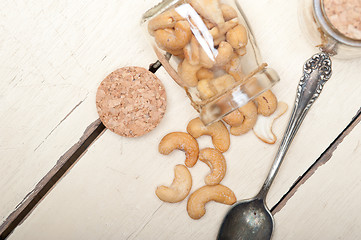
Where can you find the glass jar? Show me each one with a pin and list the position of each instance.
(208, 48)
(315, 21)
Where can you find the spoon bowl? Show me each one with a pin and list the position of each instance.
(248, 219)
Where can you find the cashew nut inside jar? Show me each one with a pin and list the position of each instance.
(208, 48)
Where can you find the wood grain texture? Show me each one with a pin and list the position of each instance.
(53, 55)
(285, 48)
(323, 159)
(327, 206)
(109, 194)
(124, 170)
(50, 179)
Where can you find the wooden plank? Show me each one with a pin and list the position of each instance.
(327, 205)
(285, 47)
(51, 178)
(124, 169)
(62, 166)
(53, 55)
(110, 192)
(323, 159)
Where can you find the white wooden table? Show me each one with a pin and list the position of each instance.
(54, 54)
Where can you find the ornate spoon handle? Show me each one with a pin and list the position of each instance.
(316, 71)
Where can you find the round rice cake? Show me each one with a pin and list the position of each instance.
(131, 101)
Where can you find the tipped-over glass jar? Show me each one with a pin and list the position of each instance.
(333, 25)
(208, 48)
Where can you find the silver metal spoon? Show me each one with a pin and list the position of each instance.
(251, 219)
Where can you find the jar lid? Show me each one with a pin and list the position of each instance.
(329, 29)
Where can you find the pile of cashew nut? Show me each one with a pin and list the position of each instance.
(210, 75)
(175, 33)
(213, 157)
(241, 121)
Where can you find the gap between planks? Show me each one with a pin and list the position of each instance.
(94, 131)
(63, 165)
(324, 158)
(65, 162)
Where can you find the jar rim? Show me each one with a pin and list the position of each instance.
(329, 29)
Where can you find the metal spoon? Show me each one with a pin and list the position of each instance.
(251, 219)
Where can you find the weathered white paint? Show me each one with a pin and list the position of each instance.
(53, 55)
(109, 194)
(327, 206)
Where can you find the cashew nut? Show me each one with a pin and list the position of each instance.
(191, 51)
(225, 52)
(198, 199)
(218, 131)
(250, 118)
(209, 9)
(228, 12)
(205, 89)
(214, 31)
(182, 141)
(208, 24)
(234, 119)
(263, 128)
(241, 51)
(204, 73)
(219, 31)
(234, 68)
(178, 53)
(223, 82)
(179, 68)
(174, 39)
(219, 39)
(237, 36)
(252, 86)
(267, 103)
(180, 187)
(216, 162)
(188, 73)
(166, 19)
(205, 60)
